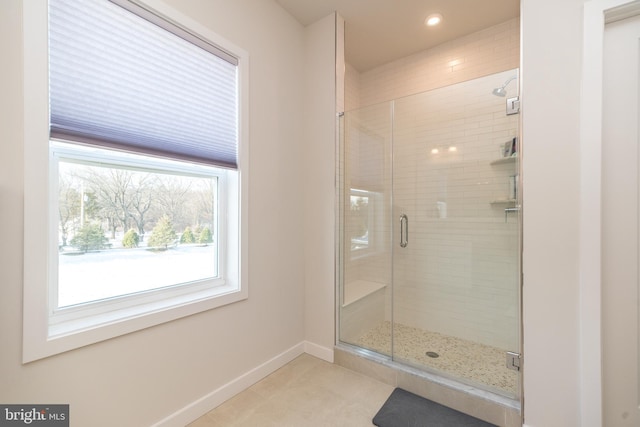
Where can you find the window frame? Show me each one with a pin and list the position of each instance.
(142, 310)
(63, 320)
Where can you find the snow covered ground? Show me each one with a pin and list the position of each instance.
(96, 275)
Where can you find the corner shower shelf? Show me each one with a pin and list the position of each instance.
(358, 289)
(503, 201)
(504, 160)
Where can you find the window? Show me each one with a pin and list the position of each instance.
(144, 166)
(124, 230)
(360, 216)
(365, 223)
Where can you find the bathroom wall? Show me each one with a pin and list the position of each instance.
(318, 181)
(554, 393)
(459, 273)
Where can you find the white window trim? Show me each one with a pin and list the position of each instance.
(38, 341)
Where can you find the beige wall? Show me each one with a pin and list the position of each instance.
(140, 378)
(551, 66)
(319, 184)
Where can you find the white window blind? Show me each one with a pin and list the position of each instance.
(136, 82)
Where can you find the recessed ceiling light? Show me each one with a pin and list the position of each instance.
(433, 19)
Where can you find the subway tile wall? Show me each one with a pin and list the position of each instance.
(351, 88)
(458, 275)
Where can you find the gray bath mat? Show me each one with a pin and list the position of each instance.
(404, 409)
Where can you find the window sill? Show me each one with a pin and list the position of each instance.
(67, 335)
(72, 320)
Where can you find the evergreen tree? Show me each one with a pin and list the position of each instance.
(89, 237)
(162, 234)
(187, 236)
(131, 239)
(205, 236)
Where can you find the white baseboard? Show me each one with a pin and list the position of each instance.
(318, 351)
(206, 403)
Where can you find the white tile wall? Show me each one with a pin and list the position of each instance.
(458, 275)
(351, 88)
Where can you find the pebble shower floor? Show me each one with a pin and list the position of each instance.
(469, 361)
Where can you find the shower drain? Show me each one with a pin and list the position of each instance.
(432, 354)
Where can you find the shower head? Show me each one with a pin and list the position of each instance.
(502, 91)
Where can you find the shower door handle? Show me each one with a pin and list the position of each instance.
(404, 231)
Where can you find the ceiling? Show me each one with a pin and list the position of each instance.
(380, 31)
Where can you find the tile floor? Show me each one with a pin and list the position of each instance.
(306, 392)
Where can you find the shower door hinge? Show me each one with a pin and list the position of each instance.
(513, 105)
(513, 361)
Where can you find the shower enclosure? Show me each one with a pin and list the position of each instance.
(429, 233)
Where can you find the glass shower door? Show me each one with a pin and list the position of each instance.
(429, 249)
(455, 249)
(365, 228)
